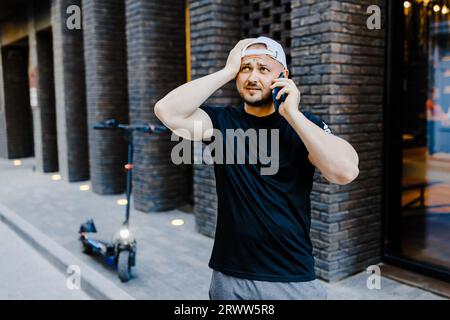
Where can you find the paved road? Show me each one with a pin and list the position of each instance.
(25, 274)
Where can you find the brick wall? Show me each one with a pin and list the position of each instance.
(215, 30)
(339, 64)
(46, 148)
(271, 18)
(40, 75)
(156, 65)
(70, 98)
(106, 91)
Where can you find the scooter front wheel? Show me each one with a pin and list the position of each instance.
(124, 266)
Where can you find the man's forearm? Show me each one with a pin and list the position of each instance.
(334, 157)
(184, 100)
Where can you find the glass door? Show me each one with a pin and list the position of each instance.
(418, 214)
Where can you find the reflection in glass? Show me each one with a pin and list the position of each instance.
(425, 218)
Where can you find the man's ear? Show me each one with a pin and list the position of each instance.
(286, 73)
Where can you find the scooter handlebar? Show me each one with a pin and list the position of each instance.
(113, 124)
(107, 124)
(157, 129)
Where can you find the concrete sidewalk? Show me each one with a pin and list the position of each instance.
(171, 260)
(28, 275)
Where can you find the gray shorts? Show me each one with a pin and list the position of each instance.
(225, 287)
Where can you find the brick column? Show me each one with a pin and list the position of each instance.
(46, 135)
(106, 91)
(40, 73)
(339, 64)
(156, 65)
(73, 158)
(215, 30)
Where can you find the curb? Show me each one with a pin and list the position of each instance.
(92, 282)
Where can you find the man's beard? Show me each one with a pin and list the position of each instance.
(264, 101)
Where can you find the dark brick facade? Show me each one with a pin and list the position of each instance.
(106, 91)
(44, 115)
(41, 83)
(215, 30)
(156, 65)
(339, 63)
(70, 94)
(268, 18)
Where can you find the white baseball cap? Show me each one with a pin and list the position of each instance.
(273, 49)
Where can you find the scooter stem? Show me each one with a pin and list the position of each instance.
(129, 175)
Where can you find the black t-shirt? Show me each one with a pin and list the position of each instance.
(263, 221)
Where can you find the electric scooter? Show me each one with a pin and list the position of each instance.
(120, 253)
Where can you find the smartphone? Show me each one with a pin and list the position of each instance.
(275, 93)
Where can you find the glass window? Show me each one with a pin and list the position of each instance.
(425, 216)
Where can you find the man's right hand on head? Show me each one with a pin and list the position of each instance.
(234, 58)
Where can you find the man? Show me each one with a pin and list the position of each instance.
(262, 248)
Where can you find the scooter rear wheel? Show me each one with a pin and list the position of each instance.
(86, 248)
(124, 266)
